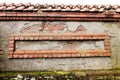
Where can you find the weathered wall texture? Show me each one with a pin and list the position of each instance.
(16, 27)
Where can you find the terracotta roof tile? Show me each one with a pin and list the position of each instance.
(54, 7)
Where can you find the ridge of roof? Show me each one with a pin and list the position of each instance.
(54, 7)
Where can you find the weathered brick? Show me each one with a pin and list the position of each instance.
(31, 38)
(11, 49)
(11, 42)
(11, 45)
(10, 56)
(17, 38)
(20, 56)
(45, 55)
(31, 56)
(15, 56)
(29, 52)
(19, 52)
(50, 55)
(69, 55)
(21, 38)
(36, 38)
(64, 55)
(25, 56)
(55, 55)
(12, 38)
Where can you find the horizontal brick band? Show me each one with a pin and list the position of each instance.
(61, 53)
(59, 36)
(61, 16)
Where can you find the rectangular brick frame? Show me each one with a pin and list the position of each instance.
(58, 53)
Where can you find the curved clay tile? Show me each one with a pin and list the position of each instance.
(85, 9)
(115, 6)
(118, 9)
(29, 8)
(2, 7)
(76, 8)
(54, 7)
(94, 9)
(20, 8)
(67, 9)
(10, 8)
(2, 4)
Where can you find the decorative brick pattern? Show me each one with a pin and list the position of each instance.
(53, 16)
(33, 12)
(58, 53)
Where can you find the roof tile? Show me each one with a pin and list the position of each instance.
(54, 7)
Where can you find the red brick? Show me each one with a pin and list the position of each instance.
(96, 54)
(20, 56)
(107, 47)
(50, 38)
(47, 52)
(3, 14)
(29, 52)
(21, 38)
(31, 38)
(59, 55)
(35, 56)
(36, 38)
(87, 54)
(10, 52)
(38, 52)
(78, 55)
(11, 46)
(73, 55)
(41, 38)
(10, 56)
(26, 38)
(64, 55)
(11, 49)
(40, 55)
(68, 55)
(83, 54)
(107, 44)
(11, 42)
(31, 56)
(12, 38)
(55, 55)
(108, 51)
(19, 52)
(73, 37)
(17, 38)
(101, 54)
(45, 55)
(86, 37)
(81, 38)
(50, 55)
(25, 56)
(108, 54)
(61, 52)
(15, 56)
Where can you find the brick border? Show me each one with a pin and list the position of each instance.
(58, 53)
(58, 16)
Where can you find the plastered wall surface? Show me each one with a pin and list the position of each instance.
(16, 27)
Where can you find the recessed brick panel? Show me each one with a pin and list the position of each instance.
(58, 53)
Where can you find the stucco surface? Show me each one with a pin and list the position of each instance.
(16, 27)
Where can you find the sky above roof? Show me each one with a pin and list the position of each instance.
(83, 2)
